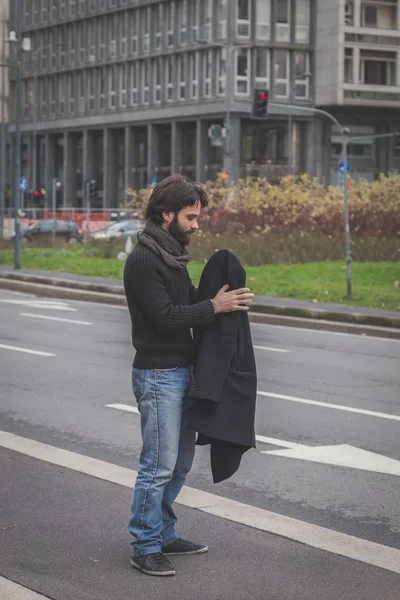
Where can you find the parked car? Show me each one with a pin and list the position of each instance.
(65, 228)
(121, 230)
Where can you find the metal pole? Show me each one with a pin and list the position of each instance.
(3, 149)
(35, 119)
(290, 143)
(17, 240)
(346, 217)
(54, 194)
(228, 91)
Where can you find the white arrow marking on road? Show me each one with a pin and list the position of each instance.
(59, 319)
(341, 455)
(45, 304)
(360, 411)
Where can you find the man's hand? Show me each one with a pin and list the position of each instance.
(226, 302)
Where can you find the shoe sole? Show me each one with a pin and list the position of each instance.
(155, 573)
(191, 553)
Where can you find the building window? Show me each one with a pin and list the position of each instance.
(195, 21)
(159, 26)
(283, 20)
(377, 15)
(71, 93)
(263, 19)
(71, 8)
(181, 76)
(157, 81)
(53, 12)
(80, 43)
(63, 11)
(91, 90)
(303, 21)
(281, 74)
(122, 86)
(27, 14)
(302, 82)
(111, 30)
(91, 56)
(182, 22)
(262, 68)
(133, 32)
(123, 40)
(43, 98)
(348, 65)
(61, 95)
(243, 18)
(377, 68)
(194, 75)
(242, 80)
(102, 38)
(170, 23)
(61, 47)
(45, 4)
(101, 81)
(169, 79)
(112, 88)
(221, 71)
(349, 13)
(208, 20)
(222, 12)
(52, 97)
(134, 84)
(146, 16)
(207, 73)
(145, 83)
(82, 7)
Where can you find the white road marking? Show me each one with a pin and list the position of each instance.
(59, 319)
(360, 411)
(44, 304)
(270, 349)
(321, 331)
(125, 407)
(340, 455)
(13, 591)
(26, 350)
(315, 536)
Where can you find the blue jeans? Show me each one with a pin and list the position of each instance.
(166, 457)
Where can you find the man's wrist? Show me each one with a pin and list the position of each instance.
(215, 306)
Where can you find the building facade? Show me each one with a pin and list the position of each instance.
(125, 91)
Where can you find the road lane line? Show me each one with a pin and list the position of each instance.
(315, 536)
(26, 350)
(360, 411)
(42, 304)
(270, 349)
(33, 316)
(322, 331)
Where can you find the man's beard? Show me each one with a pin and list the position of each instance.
(181, 236)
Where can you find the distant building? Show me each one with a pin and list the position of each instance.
(127, 90)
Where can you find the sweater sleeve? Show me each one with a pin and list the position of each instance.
(156, 303)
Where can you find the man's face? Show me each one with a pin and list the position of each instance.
(185, 223)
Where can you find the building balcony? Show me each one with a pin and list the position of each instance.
(371, 95)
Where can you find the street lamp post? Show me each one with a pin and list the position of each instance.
(3, 127)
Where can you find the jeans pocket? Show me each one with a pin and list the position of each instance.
(138, 383)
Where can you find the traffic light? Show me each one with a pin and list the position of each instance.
(260, 103)
(92, 188)
(36, 193)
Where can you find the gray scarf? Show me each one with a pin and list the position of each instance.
(164, 245)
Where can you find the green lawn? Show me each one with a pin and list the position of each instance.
(374, 284)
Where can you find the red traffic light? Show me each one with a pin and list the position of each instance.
(263, 96)
(37, 193)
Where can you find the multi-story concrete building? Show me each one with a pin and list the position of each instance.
(122, 91)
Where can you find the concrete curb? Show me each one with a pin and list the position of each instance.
(264, 314)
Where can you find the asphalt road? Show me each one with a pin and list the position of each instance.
(64, 534)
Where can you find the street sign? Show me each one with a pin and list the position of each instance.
(217, 133)
(23, 184)
(341, 167)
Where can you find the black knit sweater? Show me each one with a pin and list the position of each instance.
(163, 309)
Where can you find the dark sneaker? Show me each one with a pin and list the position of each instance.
(153, 564)
(182, 547)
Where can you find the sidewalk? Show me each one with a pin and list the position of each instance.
(269, 309)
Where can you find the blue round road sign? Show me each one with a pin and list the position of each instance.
(341, 167)
(23, 184)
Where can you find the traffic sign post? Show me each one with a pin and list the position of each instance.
(23, 184)
(342, 168)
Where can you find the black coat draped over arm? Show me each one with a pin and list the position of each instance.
(225, 380)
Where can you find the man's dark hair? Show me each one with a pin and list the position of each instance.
(172, 194)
